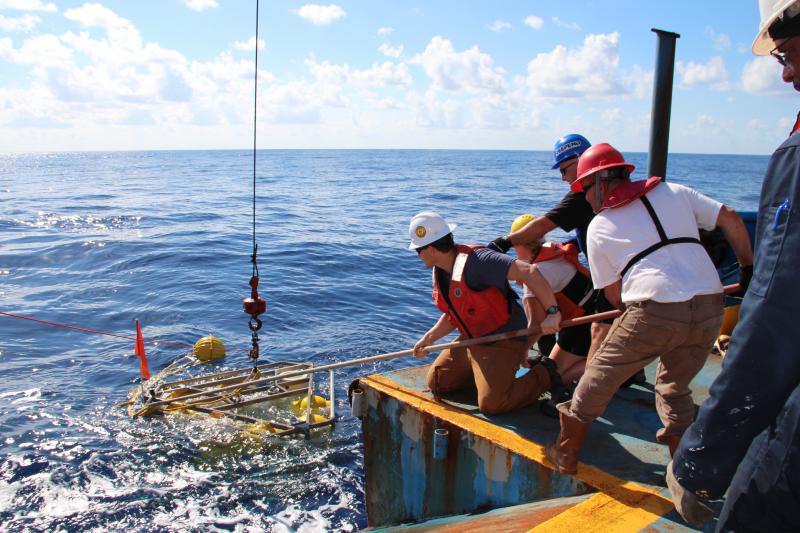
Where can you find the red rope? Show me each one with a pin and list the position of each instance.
(85, 330)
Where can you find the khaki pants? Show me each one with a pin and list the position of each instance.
(491, 369)
(680, 333)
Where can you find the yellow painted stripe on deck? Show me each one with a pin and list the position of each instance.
(632, 504)
(604, 512)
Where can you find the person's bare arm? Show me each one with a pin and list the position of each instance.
(613, 294)
(533, 231)
(736, 234)
(442, 328)
(533, 279)
(535, 313)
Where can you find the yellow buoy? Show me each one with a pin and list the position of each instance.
(315, 418)
(301, 405)
(209, 349)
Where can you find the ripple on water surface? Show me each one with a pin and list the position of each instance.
(100, 239)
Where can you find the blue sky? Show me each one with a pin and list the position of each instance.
(178, 74)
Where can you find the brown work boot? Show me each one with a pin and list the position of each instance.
(564, 452)
(672, 442)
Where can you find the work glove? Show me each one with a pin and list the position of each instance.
(689, 506)
(500, 244)
(745, 275)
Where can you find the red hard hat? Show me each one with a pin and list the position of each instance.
(599, 157)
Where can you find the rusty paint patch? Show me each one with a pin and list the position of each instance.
(649, 500)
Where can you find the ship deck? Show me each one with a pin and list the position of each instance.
(621, 466)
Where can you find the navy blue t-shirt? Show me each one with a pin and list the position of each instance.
(486, 268)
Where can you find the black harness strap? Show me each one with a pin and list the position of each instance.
(664, 240)
(578, 288)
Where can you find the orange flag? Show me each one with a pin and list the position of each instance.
(139, 350)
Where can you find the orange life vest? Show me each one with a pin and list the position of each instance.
(569, 305)
(474, 313)
(627, 192)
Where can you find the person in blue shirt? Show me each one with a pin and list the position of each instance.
(746, 438)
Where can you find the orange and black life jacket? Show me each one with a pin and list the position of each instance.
(474, 313)
(579, 290)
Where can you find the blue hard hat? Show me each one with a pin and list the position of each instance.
(569, 146)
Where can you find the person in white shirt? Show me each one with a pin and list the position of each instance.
(569, 280)
(645, 252)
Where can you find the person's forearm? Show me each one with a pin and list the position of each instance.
(736, 234)
(442, 328)
(613, 294)
(533, 231)
(534, 280)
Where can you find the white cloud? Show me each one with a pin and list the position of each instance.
(24, 23)
(385, 31)
(249, 45)
(118, 79)
(336, 76)
(762, 75)
(200, 5)
(591, 71)
(391, 51)
(612, 116)
(42, 51)
(468, 71)
(564, 24)
(319, 15)
(498, 26)
(28, 5)
(96, 15)
(712, 74)
(431, 112)
(640, 81)
(720, 40)
(534, 22)
(785, 125)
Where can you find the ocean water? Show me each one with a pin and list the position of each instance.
(97, 240)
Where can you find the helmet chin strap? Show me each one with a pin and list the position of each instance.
(598, 197)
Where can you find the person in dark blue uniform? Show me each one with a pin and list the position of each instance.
(746, 439)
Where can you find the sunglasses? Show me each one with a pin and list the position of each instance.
(781, 57)
(563, 170)
(421, 248)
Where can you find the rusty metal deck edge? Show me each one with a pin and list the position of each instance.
(628, 493)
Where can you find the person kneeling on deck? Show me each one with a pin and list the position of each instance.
(470, 287)
(566, 277)
(645, 252)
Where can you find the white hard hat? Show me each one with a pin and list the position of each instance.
(770, 11)
(427, 227)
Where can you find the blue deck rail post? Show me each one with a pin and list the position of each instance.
(662, 103)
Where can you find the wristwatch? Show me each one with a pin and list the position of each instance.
(553, 309)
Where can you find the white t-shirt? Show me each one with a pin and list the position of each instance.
(673, 273)
(557, 272)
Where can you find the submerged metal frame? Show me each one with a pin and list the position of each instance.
(218, 394)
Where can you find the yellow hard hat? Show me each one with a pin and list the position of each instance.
(521, 221)
(209, 349)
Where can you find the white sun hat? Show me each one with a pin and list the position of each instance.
(427, 227)
(770, 11)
